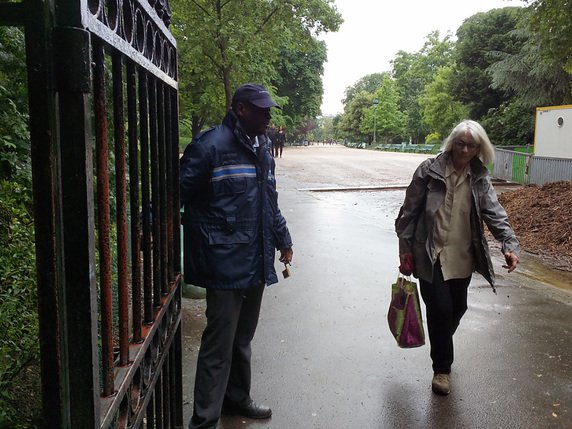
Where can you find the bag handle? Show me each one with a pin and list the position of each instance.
(402, 280)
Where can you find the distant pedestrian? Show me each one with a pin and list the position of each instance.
(234, 226)
(272, 130)
(441, 236)
(279, 144)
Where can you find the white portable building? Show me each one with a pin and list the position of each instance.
(553, 132)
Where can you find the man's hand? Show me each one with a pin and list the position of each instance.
(286, 255)
(406, 260)
(511, 261)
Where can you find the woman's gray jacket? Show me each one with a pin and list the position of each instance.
(425, 195)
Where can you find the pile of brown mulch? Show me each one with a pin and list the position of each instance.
(542, 219)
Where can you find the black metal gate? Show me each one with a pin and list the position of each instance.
(104, 133)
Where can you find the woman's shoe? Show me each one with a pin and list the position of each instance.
(441, 384)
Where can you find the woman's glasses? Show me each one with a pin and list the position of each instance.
(471, 146)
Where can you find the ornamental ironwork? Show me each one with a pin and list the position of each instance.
(136, 28)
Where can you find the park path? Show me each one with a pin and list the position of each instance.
(323, 356)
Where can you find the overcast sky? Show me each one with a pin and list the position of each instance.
(375, 30)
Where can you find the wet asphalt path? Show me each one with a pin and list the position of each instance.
(323, 356)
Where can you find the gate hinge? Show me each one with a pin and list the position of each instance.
(72, 59)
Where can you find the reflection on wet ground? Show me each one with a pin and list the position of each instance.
(533, 267)
(382, 206)
(323, 356)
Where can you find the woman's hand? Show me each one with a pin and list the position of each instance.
(406, 260)
(511, 261)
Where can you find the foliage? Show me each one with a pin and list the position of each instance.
(325, 130)
(536, 81)
(434, 138)
(225, 43)
(550, 21)
(353, 115)
(479, 36)
(384, 118)
(13, 65)
(18, 295)
(440, 111)
(504, 63)
(14, 135)
(412, 72)
(14, 139)
(306, 131)
(298, 76)
(369, 83)
(511, 124)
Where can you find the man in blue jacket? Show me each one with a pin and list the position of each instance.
(232, 227)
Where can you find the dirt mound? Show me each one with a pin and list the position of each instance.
(542, 219)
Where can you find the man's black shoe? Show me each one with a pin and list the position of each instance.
(250, 410)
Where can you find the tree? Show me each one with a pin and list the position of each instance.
(358, 98)
(369, 83)
(354, 114)
(19, 346)
(226, 42)
(478, 37)
(324, 130)
(14, 135)
(385, 117)
(299, 72)
(510, 124)
(440, 111)
(506, 70)
(550, 21)
(412, 72)
(304, 131)
(533, 77)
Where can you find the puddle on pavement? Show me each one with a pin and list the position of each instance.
(533, 267)
(371, 206)
(375, 205)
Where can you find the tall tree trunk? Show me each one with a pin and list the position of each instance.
(227, 87)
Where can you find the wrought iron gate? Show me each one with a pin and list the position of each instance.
(104, 134)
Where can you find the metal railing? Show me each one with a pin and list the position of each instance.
(527, 169)
(103, 102)
(511, 166)
(545, 170)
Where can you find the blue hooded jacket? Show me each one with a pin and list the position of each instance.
(232, 225)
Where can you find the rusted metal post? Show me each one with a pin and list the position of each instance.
(162, 185)
(169, 186)
(155, 191)
(121, 207)
(176, 204)
(80, 370)
(145, 198)
(103, 219)
(34, 17)
(134, 203)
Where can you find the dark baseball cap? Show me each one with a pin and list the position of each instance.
(255, 94)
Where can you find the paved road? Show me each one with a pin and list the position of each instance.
(323, 356)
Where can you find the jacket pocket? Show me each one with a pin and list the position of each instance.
(232, 186)
(229, 238)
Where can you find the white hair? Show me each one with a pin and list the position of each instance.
(487, 150)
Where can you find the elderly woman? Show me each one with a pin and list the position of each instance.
(441, 236)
